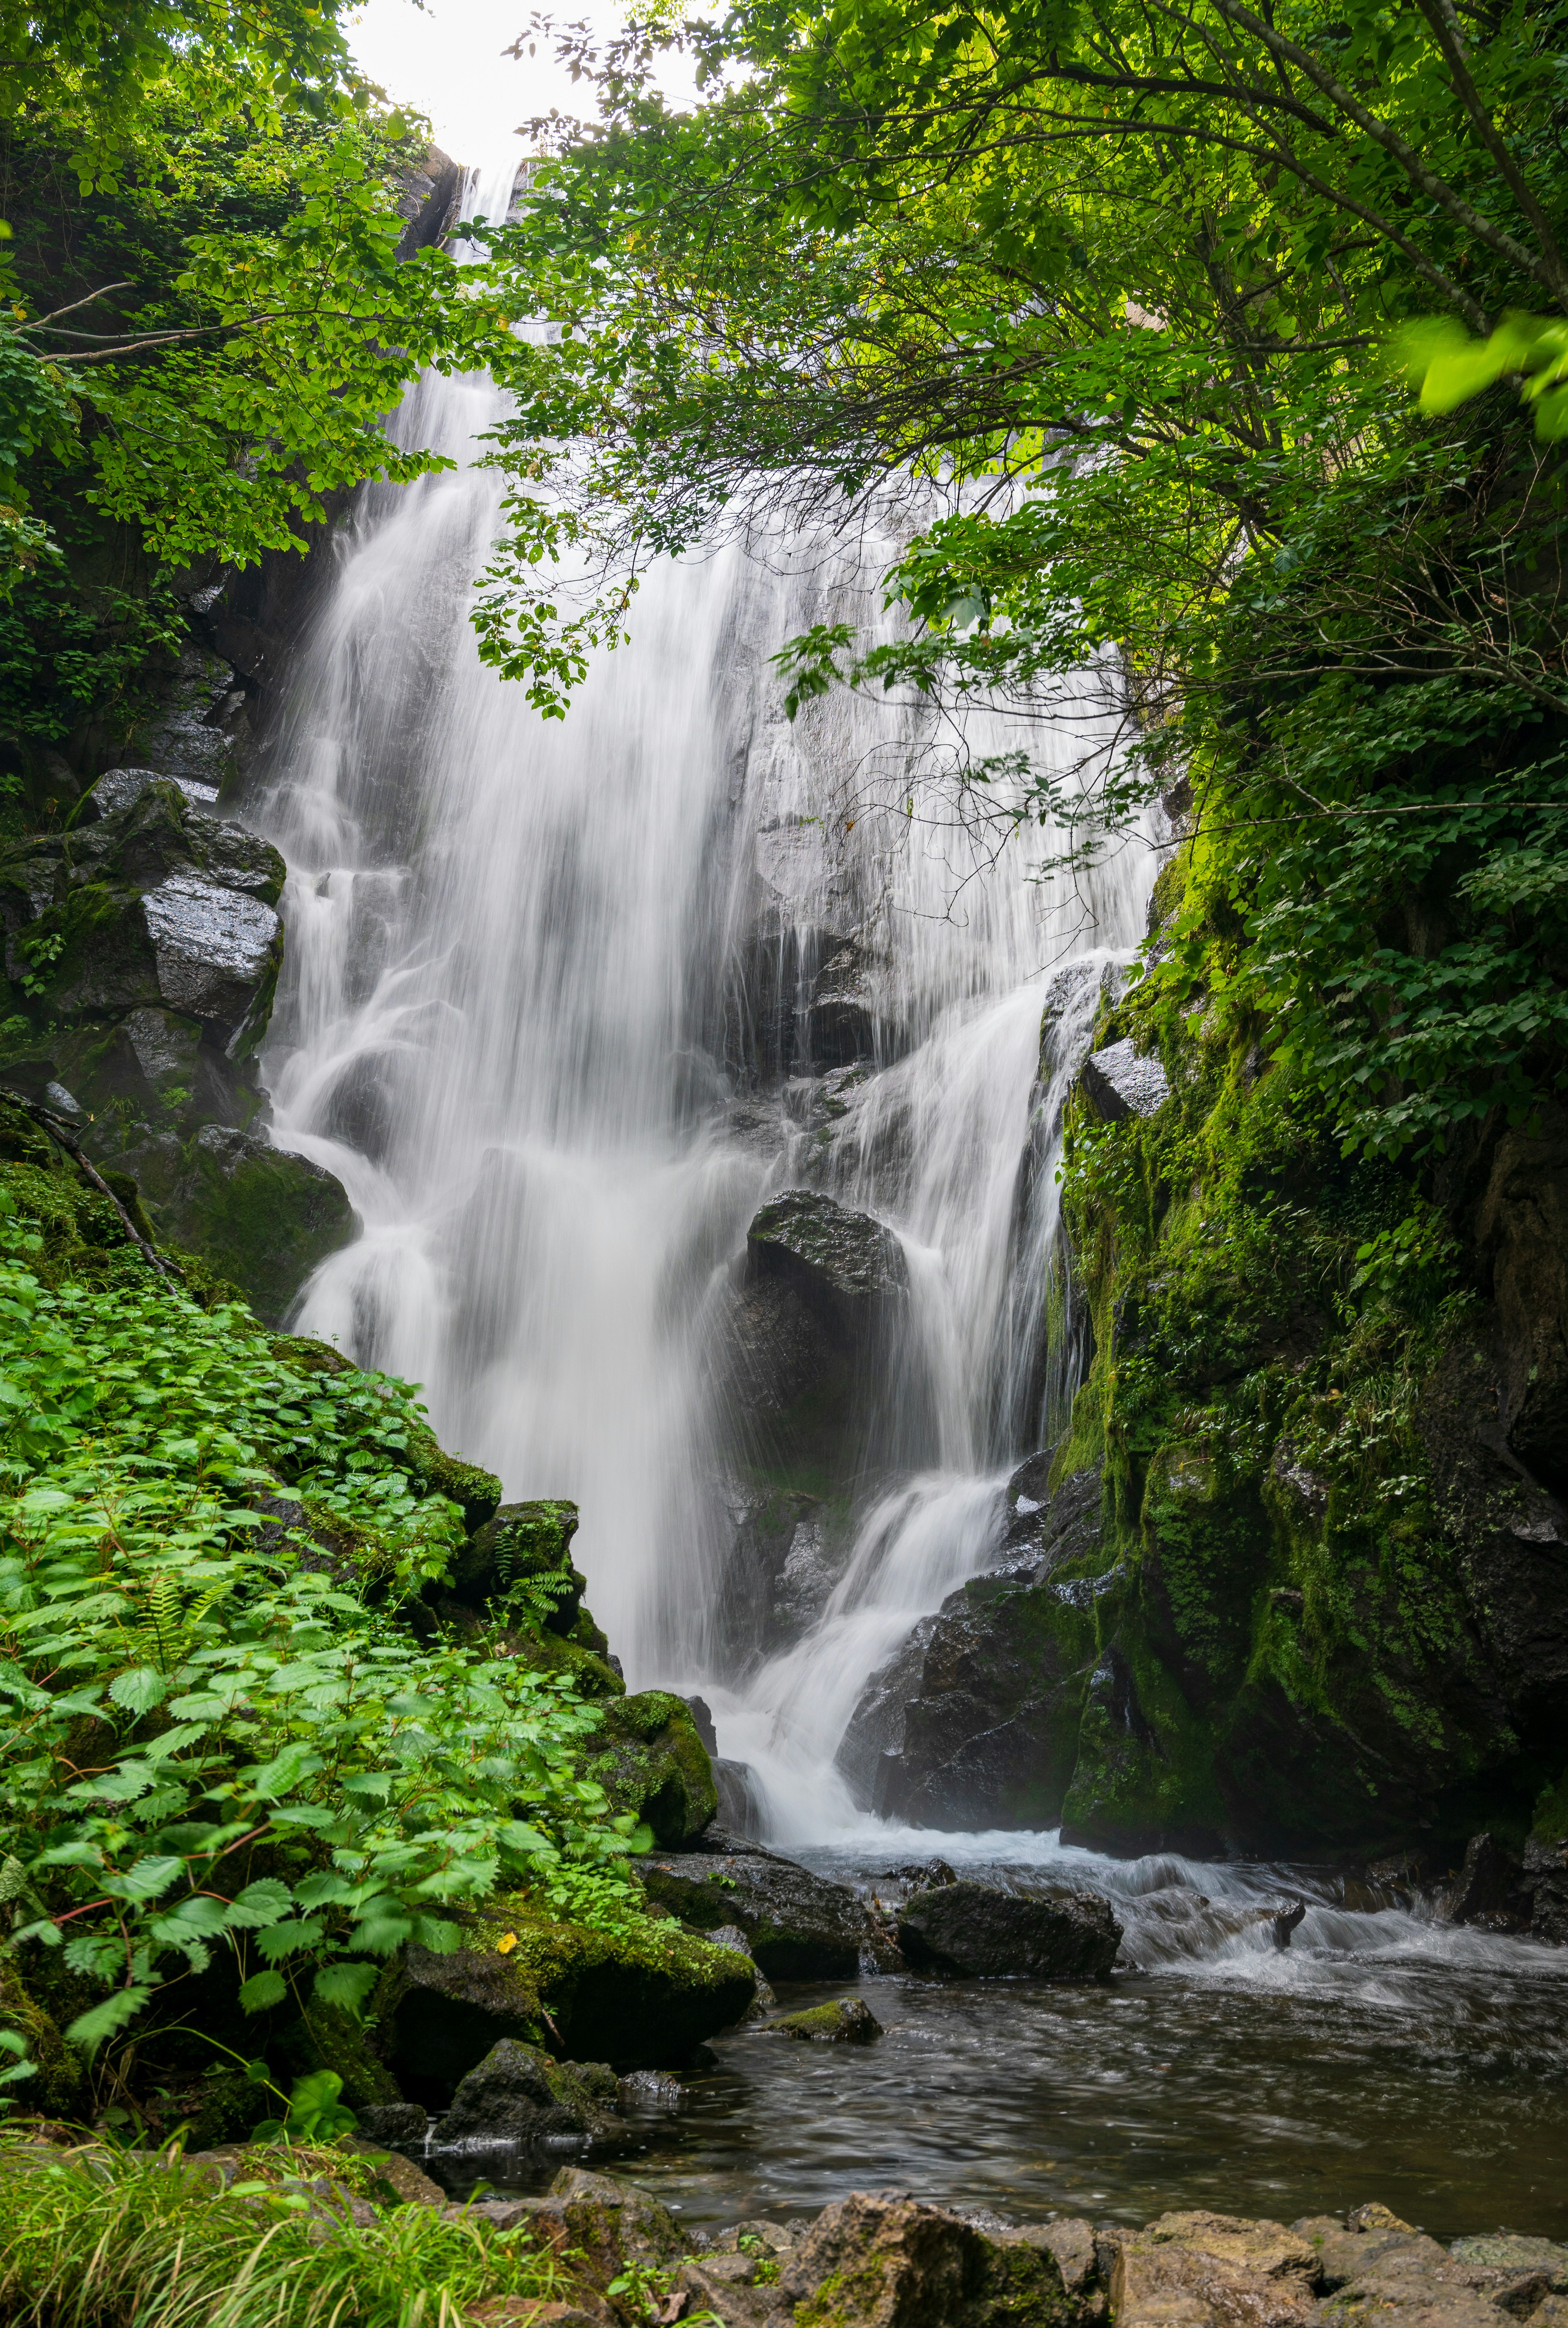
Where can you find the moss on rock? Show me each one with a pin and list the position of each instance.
(61, 2085)
(641, 1996)
(654, 1762)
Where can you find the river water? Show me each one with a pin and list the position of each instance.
(543, 1013)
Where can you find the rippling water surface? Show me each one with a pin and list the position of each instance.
(1383, 2055)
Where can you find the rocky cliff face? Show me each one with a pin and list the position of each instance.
(142, 950)
(1300, 1581)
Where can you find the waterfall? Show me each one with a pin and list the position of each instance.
(540, 1014)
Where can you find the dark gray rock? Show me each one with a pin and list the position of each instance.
(1487, 1889)
(701, 1713)
(117, 788)
(844, 1016)
(731, 1936)
(973, 1930)
(876, 1727)
(1545, 1879)
(260, 1217)
(844, 1261)
(1117, 1083)
(797, 1926)
(401, 2124)
(782, 1560)
(739, 1802)
(990, 1737)
(519, 2094)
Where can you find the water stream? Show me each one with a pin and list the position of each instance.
(544, 1015)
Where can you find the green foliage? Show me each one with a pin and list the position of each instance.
(119, 2238)
(222, 1745)
(314, 2114)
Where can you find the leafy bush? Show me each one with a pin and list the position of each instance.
(227, 1741)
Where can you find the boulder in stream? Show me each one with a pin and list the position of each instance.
(973, 1930)
(845, 2021)
(797, 1925)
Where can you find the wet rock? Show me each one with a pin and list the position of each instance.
(1487, 1890)
(1117, 1083)
(1199, 2270)
(973, 1929)
(847, 2021)
(919, 1874)
(843, 1015)
(1545, 1876)
(260, 1217)
(1511, 1536)
(881, 2259)
(117, 788)
(757, 1613)
(740, 1805)
(876, 1728)
(843, 1262)
(641, 1997)
(518, 2094)
(991, 1737)
(650, 2089)
(394, 2122)
(649, 1759)
(731, 1936)
(798, 1926)
(702, 1715)
(1285, 1920)
(1514, 2254)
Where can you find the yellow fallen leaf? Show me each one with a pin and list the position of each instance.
(505, 1943)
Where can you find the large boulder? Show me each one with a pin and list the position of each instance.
(797, 1925)
(157, 904)
(988, 1734)
(1117, 1083)
(259, 1216)
(785, 1555)
(1377, 2269)
(881, 2259)
(975, 1930)
(640, 1997)
(797, 1356)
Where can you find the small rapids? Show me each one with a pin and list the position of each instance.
(1382, 2054)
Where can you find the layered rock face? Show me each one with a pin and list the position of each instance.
(145, 944)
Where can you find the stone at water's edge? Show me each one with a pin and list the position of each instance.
(847, 2021)
(971, 1928)
(1118, 1083)
(844, 1261)
(643, 1999)
(882, 2259)
(1185, 2270)
(798, 1926)
(518, 2094)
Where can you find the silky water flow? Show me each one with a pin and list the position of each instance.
(512, 968)
(522, 1019)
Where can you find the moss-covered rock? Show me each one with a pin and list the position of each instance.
(846, 2020)
(261, 1216)
(651, 1761)
(639, 1998)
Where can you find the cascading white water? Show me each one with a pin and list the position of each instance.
(512, 953)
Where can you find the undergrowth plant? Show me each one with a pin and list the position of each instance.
(113, 2239)
(233, 1736)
